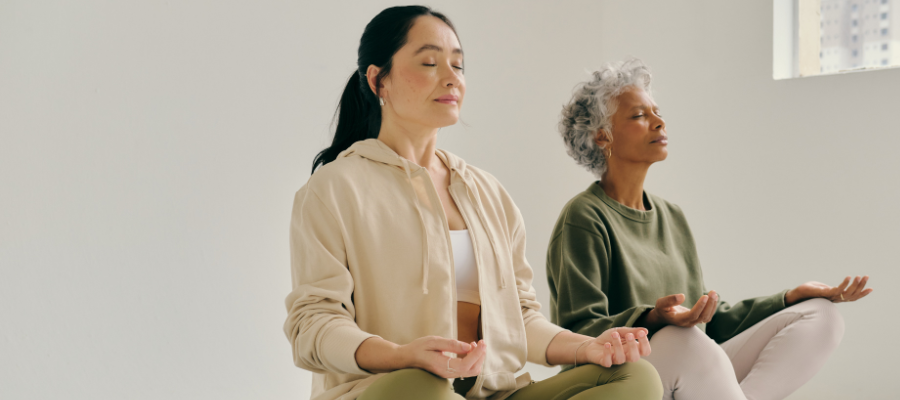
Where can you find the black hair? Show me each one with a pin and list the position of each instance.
(359, 114)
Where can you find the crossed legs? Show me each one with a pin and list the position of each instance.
(769, 361)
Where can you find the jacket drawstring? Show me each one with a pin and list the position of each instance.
(422, 224)
(479, 210)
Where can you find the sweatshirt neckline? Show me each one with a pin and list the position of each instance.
(625, 211)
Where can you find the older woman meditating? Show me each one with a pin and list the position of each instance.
(621, 257)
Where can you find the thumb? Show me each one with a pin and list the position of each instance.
(671, 300)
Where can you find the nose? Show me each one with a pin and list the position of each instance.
(451, 77)
(660, 123)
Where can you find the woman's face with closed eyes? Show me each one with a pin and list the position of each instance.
(426, 85)
(638, 130)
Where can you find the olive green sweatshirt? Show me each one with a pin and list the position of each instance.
(608, 264)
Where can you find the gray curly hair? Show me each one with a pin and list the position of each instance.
(592, 107)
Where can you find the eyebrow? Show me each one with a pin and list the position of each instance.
(435, 48)
(643, 107)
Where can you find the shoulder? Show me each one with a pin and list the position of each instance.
(584, 213)
(662, 203)
(666, 208)
(345, 175)
(585, 206)
(486, 180)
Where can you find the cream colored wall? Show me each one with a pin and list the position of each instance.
(150, 152)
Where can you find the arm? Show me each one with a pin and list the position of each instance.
(578, 269)
(321, 323)
(538, 331)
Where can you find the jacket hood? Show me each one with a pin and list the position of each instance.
(376, 150)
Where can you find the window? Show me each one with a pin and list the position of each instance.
(840, 48)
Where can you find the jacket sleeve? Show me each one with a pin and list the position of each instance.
(578, 267)
(538, 331)
(729, 321)
(321, 316)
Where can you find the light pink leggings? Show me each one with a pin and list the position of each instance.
(769, 361)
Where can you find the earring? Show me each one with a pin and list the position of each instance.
(610, 153)
(381, 100)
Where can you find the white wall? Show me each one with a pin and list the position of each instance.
(150, 151)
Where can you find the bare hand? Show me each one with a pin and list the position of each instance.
(616, 346)
(669, 311)
(427, 353)
(847, 291)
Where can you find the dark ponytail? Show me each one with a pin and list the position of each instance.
(359, 113)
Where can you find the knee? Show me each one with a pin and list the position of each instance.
(825, 316)
(691, 347)
(676, 338)
(639, 379)
(396, 384)
(644, 375)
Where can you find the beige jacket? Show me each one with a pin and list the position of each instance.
(371, 256)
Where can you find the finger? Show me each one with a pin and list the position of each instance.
(861, 287)
(843, 284)
(849, 290)
(475, 370)
(449, 345)
(644, 344)
(865, 293)
(632, 353)
(469, 360)
(847, 294)
(606, 360)
(694, 316)
(710, 308)
(636, 331)
(618, 350)
(670, 301)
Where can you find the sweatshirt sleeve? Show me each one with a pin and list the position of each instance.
(321, 322)
(729, 321)
(538, 331)
(578, 267)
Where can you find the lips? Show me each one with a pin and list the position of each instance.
(447, 99)
(662, 140)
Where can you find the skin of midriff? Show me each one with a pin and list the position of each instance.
(468, 318)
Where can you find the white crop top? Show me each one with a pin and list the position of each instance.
(464, 264)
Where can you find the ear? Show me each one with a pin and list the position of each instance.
(371, 73)
(601, 138)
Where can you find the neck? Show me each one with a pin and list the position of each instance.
(625, 184)
(416, 144)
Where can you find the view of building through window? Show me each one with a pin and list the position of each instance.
(859, 34)
(815, 37)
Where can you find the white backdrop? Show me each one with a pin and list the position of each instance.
(149, 152)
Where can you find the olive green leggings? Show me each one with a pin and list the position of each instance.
(633, 381)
